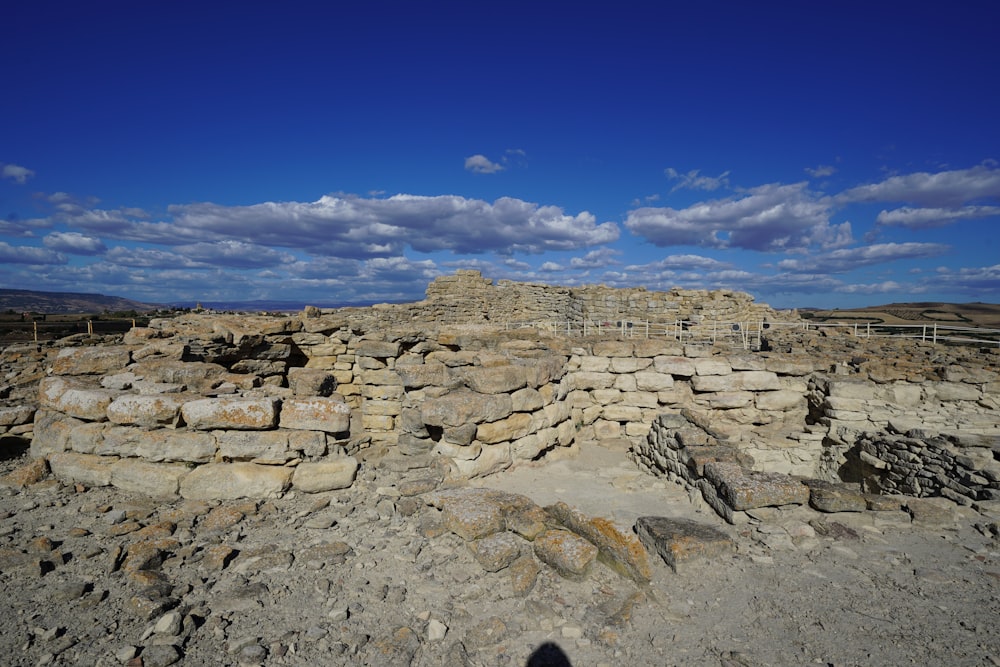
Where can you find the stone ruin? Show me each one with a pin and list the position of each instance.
(214, 406)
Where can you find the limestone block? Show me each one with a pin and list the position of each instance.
(495, 379)
(588, 381)
(311, 381)
(656, 347)
(371, 363)
(625, 383)
(89, 404)
(459, 435)
(606, 396)
(158, 480)
(532, 445)
(783, 400)
(231, 413)
(619, 549)
(744, 489)
(653, 381)
(850, 389)
(497, 551)
(464, 407)
(681, 542)
(676, 366)
(726, 400)
(526, 400)
(629, 364)
(622, 413)
(759, 380)
(515, 426)
(16, 414)
(452, 450)
(268, 447)
(747, 362)
(545, 370)
(473, 513)
(570, 555)
(839, 403)
(829, 497)
(954, 391)
(614, 348)
(85, 469)
(493, 459)
(590, 364)
(196, 375)
(377, 348)
(712, 366)
(228, 481)
(52, 433)
(383, 376)
(604, 429)
(794, 366)
(383, 423)
(383, 392)
(171, 445)
(637, 429)
(319, 413)
(429, 374)
(90, 360)
(641, 399)
(565, 433)
(261, 367)
(904, 394)
(319, 476)
(153, 410)
(716, 383)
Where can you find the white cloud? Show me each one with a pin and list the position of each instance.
(944, 189)
(596, 259)
(821, 171)
(235, 254)
(976, 280)
(848, 259)
(16, 173)
(693, 180)
(682, 263)
(74, 243)
(923, 218)
(359, 228)
(29, 255)
(481, 164)
(550, 267)
(767, 218)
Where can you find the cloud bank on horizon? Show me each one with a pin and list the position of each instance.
(341, 198)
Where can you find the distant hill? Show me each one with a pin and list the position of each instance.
(21, 301)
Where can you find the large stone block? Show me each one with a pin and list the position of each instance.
(379, 349)
(495, 379)
(681, 542)
(319, 476)
(85, 469)
(152, 410)
(954, 391)
(515, 426)
(570, 555)
(676, 366)
(158, 480)
(491, 460)
(712, 366)
(311, 381)
(90, 360)
(328, 414)
(621, 550)
(231, 413)
(228, 481)
(18, 414)
(465, 407)
(744, 489)
(429, 374)
(268, 447)
(783, 400)
(588, 380)
(52, 433)
(170, 445)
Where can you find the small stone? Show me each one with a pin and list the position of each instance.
(160, 655)
(169, 624)
(436, 630)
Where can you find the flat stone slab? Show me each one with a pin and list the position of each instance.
(682, 541)
(830, 497)
(744, 489)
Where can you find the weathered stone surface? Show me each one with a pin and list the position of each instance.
(675, 366)
(12, 415)
(431, 373)
(781, 399)
(620, 550)
(90, 360)
(30, 473)
(653, 381)
(712, 366)
(328, 414)
(231, 413)
(497, 551)
(151, 410)
(511, 428)
(492, 459)
(829, 497)
(268, 447)
(495, 379)
(682, 541)
(318, 476)
(377, 348)
(526, 400)
(227, 481)
(473, 513)
(744, 489)
(170, 445)
(931, 511)
(567, 553)
(463, 407)
(311, 381)
(523, 575)
(159, 480)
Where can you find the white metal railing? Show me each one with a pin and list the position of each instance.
(749, 334)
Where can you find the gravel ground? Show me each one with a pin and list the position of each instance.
(361, 576)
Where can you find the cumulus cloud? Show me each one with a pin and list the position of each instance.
(923, 218)
(822, 171)
(848, 259)
(944, 189)
(360, 228)
(236, 254)
(683, 263)
(29, 255)
(16, 173)
(480, 164)
(977, 279)
(767, 218)
(693, 180)
(74, 243)
(596, 259)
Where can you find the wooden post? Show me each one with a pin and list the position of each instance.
(90, 327)
(35, 323)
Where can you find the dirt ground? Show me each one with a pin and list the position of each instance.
(355, 577)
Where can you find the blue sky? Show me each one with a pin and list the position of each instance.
(812, 154)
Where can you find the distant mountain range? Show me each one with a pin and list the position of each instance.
(22, 301)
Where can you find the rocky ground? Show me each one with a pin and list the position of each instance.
(364, 576)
